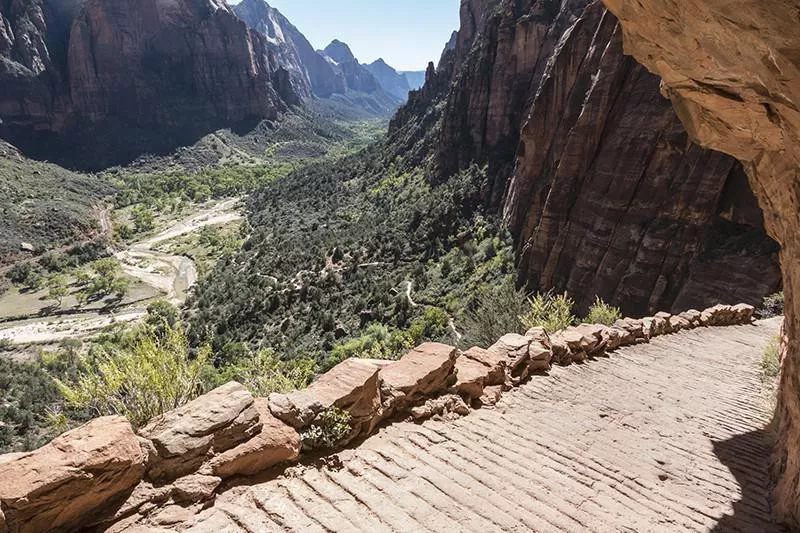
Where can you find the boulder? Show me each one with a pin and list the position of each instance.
(491, 395)
(276, 443)
(612, 338)
(351, 386)
(27, 247)
(426, 370)
(195, 488)
(449, 404)
(72, 481)
(593, 338)
(539, 335)
(692, 316)
(495, 363)
(678, 323)
(213, 423)
(744, 313)
(719, 315)
(516, 349)
(632, 326)
(470, 377)
(540, 357)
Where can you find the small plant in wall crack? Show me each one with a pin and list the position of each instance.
(329, 430)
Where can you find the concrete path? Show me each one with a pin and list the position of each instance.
(661, 437)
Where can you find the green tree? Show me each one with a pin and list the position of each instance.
(143, 219)
(57, 289)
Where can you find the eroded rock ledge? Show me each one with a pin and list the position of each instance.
(103, 475)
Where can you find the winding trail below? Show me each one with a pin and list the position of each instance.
(664, 437)
(172, 275)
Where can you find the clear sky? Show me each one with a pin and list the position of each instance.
(405, 33)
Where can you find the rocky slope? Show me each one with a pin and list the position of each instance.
(95, 82)
(733, 76)
(602, 189)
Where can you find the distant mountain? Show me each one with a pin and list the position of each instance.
(414, 78)
(392, 82)
(333, 73)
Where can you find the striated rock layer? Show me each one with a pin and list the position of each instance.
(143, 75)
(732, 72)
(599, 183)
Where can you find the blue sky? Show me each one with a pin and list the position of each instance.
(405, 33)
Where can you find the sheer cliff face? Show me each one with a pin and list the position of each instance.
(142, 75)
(600, 185)
(733, 75)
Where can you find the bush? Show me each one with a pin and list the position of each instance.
(264, 373)
(553, 313)
(771, 362)
(329, 430)
(602, 313)
(495, 312)
(772, 306)
(139, 379)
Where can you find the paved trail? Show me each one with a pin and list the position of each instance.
(662, 437)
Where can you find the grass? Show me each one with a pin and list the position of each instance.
(771, 360)
(602, 313)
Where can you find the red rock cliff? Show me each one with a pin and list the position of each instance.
(732, 71)
(141, 75)
(600, 185)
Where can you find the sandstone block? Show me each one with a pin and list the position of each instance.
(195, 488)
(540, 357)
(692, 316)
(213, 423)
(425, 371)
(276, 443)
(719, 315)
(351, 386)
(470, 377)
(495, 363)
(632, 326)
(73, 480)
(678, 323)
(516, 349)
(491, 395)
(744, 313)
(449, 404)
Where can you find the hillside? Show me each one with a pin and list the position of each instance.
(605, 184)
(45, 206)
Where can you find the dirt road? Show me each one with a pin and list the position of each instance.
(171, 274)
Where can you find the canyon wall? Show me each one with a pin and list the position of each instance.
(597, 179)
(732, 72)
(97, 82)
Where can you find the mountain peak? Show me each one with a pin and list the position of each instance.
(339, 52)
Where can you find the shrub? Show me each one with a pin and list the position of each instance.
(140, 379)
(553, 313)
(602, 313)
(772, 305)
(771, 362)
(495, 312)
(264, 373)
(329, 430)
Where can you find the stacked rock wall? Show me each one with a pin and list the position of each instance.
(105, 475)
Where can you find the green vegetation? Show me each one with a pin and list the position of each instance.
(602, 313)
(264, 373)
(771, 361)
(772, 306)
(207, 246)
(496, 311)
(141, 378)
(329, 430)
(549, 311)
(344, 247)
(105, 280)
(44, 205)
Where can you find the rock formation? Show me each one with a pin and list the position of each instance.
(597, 179)
(142, 76)
(733, 75)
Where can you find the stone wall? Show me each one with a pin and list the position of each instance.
(105, 475)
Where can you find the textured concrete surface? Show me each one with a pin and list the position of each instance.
(661, 437)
